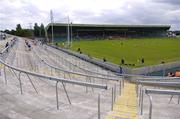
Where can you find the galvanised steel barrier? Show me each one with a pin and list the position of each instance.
(116, 74)
(86, 58)
(140, 89)
(161, 83)
(77, 73)
(29, 73)
(159, 92)
(86, 70)
(62, 80)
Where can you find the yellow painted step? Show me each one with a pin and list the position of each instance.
(125, 106)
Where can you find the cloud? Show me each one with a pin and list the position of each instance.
(13, 12)
(16, 11)
(172, 2)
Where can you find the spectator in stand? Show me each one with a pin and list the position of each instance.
(142, 60)
(122, 61)
(176, 74)
(170, 74)
(7, 44)
(104, 59)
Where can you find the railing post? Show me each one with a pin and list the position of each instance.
(142, 96)
(20, 83)
(91, 82)
(123, 79)
(112, 99)
(18, 79)
(150, 108)
(86, 86)
(137, 89)
(114, 92)
(32, 83)
(140, 88)
(66, 93)
(119, 87)
(170, 98)
(99, 106)
(87, 81)
(57, 101)
(5, 78)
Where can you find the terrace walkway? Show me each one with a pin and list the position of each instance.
(125, 106)
(84, 100)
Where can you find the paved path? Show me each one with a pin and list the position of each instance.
(126, 105)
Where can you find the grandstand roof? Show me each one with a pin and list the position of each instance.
(111, 25)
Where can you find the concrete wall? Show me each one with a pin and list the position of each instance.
(160, 67)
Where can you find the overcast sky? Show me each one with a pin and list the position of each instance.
(25, 12)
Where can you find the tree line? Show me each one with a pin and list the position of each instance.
(37, 31)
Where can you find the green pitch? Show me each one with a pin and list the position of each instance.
(154, 50)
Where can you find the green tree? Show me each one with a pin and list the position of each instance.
(27, 33)
(36, 30)
(18, 30)
(7, 31)
(18, 27)
(13, 32)
(42, 30)
(22, 32)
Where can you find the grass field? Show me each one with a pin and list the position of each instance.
(154, 51)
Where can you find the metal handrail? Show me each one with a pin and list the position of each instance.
(156, 91)
(117, 75)
(173, 79)
(5, 49)
(55, 78)
(160, 83)
(50, 77)
(89, 71)
(62, 80)
(158, 78)
(162, 92)
(77, 73)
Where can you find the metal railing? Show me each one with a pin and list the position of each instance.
(143, 80)
(116, 75)
(153, 81)
(139, 77)
(160, 77)
(121, 81)
(175, 84)
(29, 73)
(162, 83)
(54, 78)
(77, 73)
(89, 71)
(158, 80)
(161, 92)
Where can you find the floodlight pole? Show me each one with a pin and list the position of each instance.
(31, 29)
(68, 35)
(71, 34)
(1, 36)
(52, 21)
